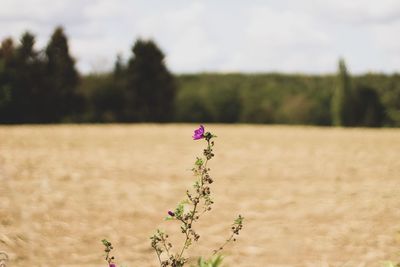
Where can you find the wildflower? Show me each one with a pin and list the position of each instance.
(170, 213)
(199, 133)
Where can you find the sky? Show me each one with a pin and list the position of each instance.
(292, 36)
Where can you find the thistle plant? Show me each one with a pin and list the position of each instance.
(198, 201)
(187, 213)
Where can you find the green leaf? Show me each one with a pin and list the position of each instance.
(179, 210)
(185, 202)
(105, 242)
(239, 220)
(199, 162)
(213, 262)
(169, 218)
(217, 261)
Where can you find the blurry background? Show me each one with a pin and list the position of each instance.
(311, 196)
(187, 61)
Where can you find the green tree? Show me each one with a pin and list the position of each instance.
(150, 91)
(21, 81)
(368, 109)
(119, 67)
(7, 76)
(28, 85)
(63, 99)
(341, 106)
(108, 100)
(191, 106)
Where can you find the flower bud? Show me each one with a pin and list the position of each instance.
(170, 213)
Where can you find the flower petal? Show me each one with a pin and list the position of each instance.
(199, 133)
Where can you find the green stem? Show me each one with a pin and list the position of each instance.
(194, 206)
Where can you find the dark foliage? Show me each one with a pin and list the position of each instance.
(150, 91)
(7, 77)
(36, 86)
(342, 113)
(62, 79)
(368, 109)
(43, 86)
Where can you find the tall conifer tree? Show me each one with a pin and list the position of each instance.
(28, 85)
(63, 78)
(150, 86)
(7, 75)
(341, 99)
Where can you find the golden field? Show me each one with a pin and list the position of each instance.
(310, 196)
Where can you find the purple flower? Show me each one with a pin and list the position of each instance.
(170, 213)
(199, 133)
(112, 265)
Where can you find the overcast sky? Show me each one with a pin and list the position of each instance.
(220, 35)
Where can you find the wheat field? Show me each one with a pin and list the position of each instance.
(310, 196)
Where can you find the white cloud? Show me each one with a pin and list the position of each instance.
(183, 35)
(104, 9)
(357, 11)
(387, 41)
(206, 35)
(281, 40)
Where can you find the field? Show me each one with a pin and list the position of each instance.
(311, 196)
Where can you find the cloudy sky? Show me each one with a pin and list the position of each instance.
(305, 36)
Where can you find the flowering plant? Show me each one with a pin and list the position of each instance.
(189, 211)
(108, 247)
(197, 202)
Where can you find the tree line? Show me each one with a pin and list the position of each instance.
(38, 87)
(44, 86)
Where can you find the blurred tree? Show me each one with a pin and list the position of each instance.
(63, 100)
(341, 106)
(29, 82)
(260, 99)
(391, 100)
(108, 100)
(192, 107)
(119, 67)
(7, 76)
(208, 98)
(151, 87)
(22, 80)
(297, 109)
(368, 109)
(388, 89)
(118, 106)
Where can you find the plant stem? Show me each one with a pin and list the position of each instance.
(159, 258)
(165, 246)
(226, 242)
(195, 205)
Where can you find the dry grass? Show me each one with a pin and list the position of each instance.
(310, 196)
